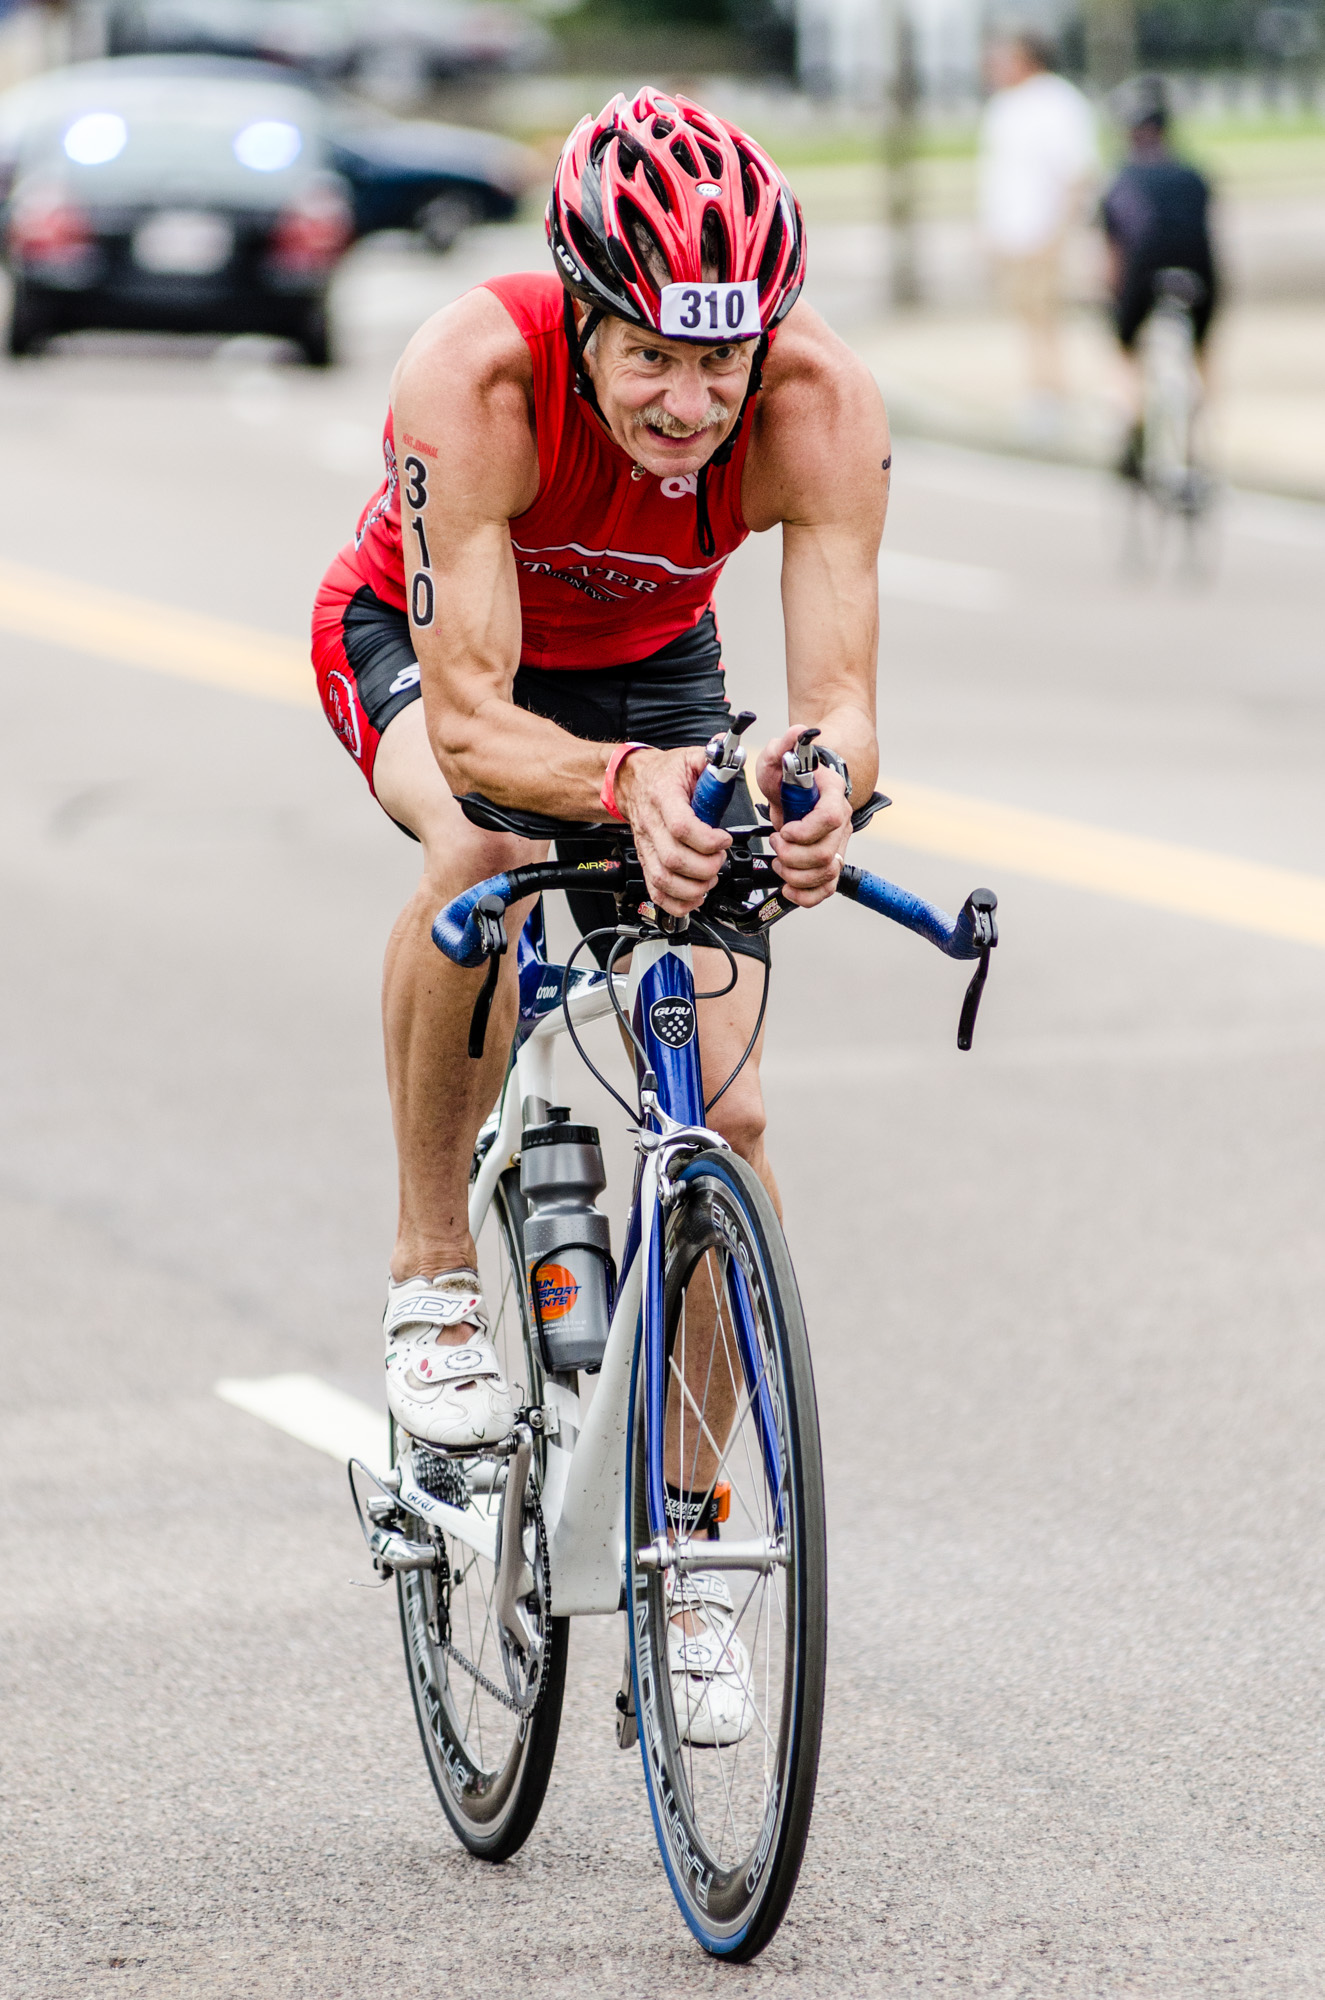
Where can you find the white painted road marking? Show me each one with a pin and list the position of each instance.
(1220, 888)
(315, 1413)
(112, 625)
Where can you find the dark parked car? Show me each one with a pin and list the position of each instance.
(395, 49)
(194, 197)
(438, 179)
(399, 175)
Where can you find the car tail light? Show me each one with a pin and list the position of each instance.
(46, 229)
(310, 235)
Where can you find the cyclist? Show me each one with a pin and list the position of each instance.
(526, 612)
(1156, 216)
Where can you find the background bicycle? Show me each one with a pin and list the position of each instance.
(1172, 487)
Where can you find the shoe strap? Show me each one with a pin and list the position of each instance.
(443, 1302)
(472, 1362)
(707, 1654)
(699, 1590)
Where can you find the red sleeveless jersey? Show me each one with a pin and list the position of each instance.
(609, 567)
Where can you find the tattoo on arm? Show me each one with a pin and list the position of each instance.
(417, 525)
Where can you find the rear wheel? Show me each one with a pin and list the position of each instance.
(732, 1814)
(489, 1761)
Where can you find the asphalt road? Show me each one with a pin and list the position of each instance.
(1065, 1292)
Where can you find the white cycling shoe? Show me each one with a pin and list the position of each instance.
(444, 1394)
(710, 1667)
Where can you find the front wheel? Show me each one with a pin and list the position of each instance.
(730, 1759)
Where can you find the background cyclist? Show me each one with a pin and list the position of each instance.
(526, 612)
(1156, 216)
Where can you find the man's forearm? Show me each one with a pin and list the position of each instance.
(519, 759)
(849, 730)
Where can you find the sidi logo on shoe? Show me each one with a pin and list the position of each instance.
(555, 1290)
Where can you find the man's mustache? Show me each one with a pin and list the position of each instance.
(656, 418)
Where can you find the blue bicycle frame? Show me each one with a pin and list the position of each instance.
(661, 1010)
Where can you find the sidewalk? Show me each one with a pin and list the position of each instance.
(961, 376)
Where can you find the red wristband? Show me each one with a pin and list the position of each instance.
(607, 797)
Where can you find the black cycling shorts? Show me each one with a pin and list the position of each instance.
(674, 698)
(1135, 301)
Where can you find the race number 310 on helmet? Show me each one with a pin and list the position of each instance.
(674, 220)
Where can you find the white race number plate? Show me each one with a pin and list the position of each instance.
(711, 312)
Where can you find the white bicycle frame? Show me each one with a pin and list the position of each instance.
(583, 1491)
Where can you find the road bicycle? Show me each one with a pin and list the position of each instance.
(1173, 488)
(692, 1474)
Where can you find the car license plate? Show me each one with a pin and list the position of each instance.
(183, 241)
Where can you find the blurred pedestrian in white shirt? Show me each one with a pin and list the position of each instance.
(1038, 157)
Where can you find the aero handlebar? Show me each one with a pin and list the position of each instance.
(471, 929)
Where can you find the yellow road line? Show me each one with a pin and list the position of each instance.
(1249, 896)
(37, 604)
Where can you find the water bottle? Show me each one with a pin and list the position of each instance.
(567, 1244)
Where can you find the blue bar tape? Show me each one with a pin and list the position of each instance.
(957, 938)
(455, 930)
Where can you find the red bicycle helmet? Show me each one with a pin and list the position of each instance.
(656, 191)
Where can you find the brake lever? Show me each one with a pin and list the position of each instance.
(979, 908)
(490, 912)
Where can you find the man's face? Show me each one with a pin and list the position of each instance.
(668, 403)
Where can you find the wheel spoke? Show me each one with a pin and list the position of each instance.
(735, 1426)
(478, 1743)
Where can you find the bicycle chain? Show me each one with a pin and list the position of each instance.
(524, 1709)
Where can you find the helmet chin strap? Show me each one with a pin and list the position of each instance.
(577, 343)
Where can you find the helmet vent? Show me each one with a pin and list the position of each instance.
(712, 160)
(685, 159)
(589, 251)
(649, 253)
(749, 183)
(662, 126)
(657, 185)
(768, 263)
(621, 259)
(713, 259)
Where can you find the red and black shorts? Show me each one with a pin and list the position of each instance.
(367, 673)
